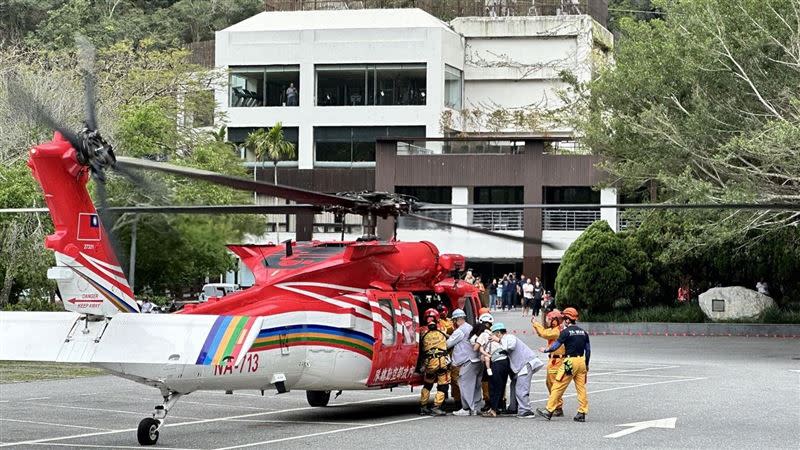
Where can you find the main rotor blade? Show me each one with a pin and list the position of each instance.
(86, 55)
(107, 222)
(191, 209)
(243, 184)
(777, 206)
(23, 103)
(219, 209)
(524, 240)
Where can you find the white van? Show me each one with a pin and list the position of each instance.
(217, 290)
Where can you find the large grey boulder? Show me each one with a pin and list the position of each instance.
(734, 302)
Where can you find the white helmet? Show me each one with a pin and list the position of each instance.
(486, 317)
(457, 313)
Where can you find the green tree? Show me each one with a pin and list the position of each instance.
(703, 102)
(271, 145)
(597, 271)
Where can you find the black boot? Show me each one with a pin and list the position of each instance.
(580, 417)
(558, 412)
(424, 411)
(436, 411)
(544, 413)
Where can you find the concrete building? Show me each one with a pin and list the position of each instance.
(345, 83)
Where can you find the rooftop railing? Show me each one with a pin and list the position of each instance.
(498, 219)
(450, 9)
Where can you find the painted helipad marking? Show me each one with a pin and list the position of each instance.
(53, 424)
(639, 426)
(322, 433)
(117, 411)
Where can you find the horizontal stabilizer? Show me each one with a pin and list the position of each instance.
(126, 338)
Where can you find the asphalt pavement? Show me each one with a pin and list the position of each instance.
(692, 392)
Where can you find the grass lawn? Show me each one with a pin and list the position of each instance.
(21, 371)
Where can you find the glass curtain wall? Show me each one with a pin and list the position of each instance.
(343, 145)
(453, 87)
(371, 84)
(264, 86)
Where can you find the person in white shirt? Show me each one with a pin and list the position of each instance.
(527, 292)
(147, 306)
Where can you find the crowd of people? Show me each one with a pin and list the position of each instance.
(479, 362)
(509, 292)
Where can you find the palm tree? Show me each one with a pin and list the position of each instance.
(272, 145)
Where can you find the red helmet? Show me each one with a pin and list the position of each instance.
(554, 315)
(571, 313)
(442, 310)
(431, 315)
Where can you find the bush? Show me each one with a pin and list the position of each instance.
(596, 270)
(778, 315)
(34, 304)
(686, 313)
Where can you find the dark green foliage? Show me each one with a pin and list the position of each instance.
(597, 270)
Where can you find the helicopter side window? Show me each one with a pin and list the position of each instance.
(409, 323)
(389, 336)
(468, 310)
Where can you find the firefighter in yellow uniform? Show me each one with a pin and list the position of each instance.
(446, 325)
(575, 367)
(553, 320)
(436, 365)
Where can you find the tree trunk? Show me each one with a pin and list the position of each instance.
(275, 181)
(11, 265)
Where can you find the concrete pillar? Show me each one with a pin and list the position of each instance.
(532, 193)
(460, 197)
(608, 196)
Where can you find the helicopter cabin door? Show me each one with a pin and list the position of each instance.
(396, 339)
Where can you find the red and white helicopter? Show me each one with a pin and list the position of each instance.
(321, 316)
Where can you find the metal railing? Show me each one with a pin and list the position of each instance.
(450, 9)
(460, 147)
(411, 223)
(498, 219)
(569, 219)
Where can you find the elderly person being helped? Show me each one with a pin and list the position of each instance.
(524, 364)
(469, 363)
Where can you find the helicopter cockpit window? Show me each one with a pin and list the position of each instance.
(389, 336)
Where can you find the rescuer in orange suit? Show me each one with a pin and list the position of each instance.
(575, 341)
(554, 319)
(436, 365)
(446, 325)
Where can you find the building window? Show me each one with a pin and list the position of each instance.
(371, 84)
(505, 219)
(453, 87)
(347, 145)
(264, 86)
(440, 195)
(499, 195)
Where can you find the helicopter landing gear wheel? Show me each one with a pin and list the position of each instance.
(318, 398)
(148, 431)
(147, 434)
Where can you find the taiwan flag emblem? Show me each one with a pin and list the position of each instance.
(88, 227)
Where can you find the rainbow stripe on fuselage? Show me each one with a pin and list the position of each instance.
(316, 335)
(225, 340)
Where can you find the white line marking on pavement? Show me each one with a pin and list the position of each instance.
(35, 398)
(340, 430)
(194, 422)
(83, 408)
(311, 422)
(227, 406)
(798, 371)
(54, 424)
(53, 444)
